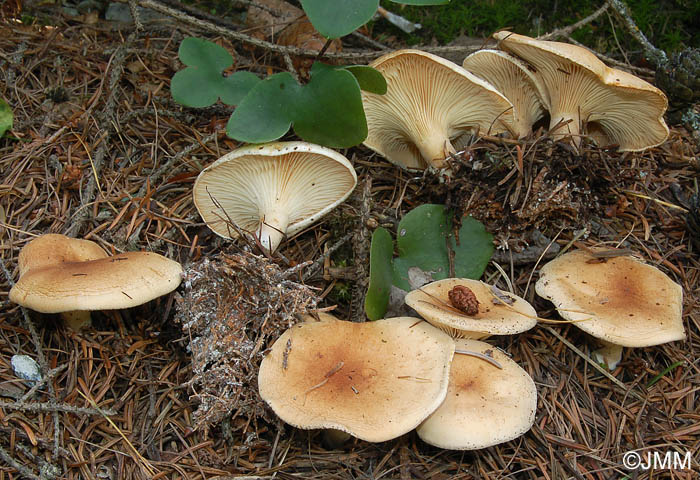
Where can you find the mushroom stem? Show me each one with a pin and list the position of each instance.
(273, 228)
(609, 354)
(77, 319)
(565, 125)
(435, 149)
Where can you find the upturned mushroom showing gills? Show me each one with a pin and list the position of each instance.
(271, 191)
(374, 380)
(72, 277)
(429, 103)
(513, 79)
(578, 89)
(614, 297)
(490, 400)
(471, 309)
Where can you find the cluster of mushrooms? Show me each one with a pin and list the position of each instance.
(379, 380)
(432, 105)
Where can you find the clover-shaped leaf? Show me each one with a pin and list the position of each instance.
(422, 240)
(327, 110)
(333, 19)
(202, 82)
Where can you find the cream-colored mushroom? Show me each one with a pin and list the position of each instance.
(272, 191)
(514, 80)
(579, 89)
(485, 404)
(618, 299)
(498, 313)
(429, 103)
(374, 380)
(71, 282)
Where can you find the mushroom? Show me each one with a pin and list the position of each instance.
(485, 404)
(272, 190)
(514, 80)
(579, 89)
(614, 297)
(61, 275)
(429, 102)
(449, 305)
(374, 380)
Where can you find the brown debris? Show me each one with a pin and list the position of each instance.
(464, 300)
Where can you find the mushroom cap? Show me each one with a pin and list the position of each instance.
(431, 301)
(485, 405)
(54, 249)
(514, 80)
(122, 281)
(297, 181)
(374, 380)
(574, 83)
(429, 102)
(620, 300)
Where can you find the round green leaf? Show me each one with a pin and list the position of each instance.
(234, 88)
(266, 113)
(5, 117)
(370, 80)
(329, 110)
(192, 87)
(333, 19)
(422, 239)
(197, 52)
(380, 254)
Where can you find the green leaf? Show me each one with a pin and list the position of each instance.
(235, 87)
(422, 2)
(370, 80)
(329, 109)
(421, 243)
(197, 52)
(202, 82)
(5, 117)
(333, 19)
(266, 113)
(422, 239)
(380, 254)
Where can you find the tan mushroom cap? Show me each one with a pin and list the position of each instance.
(485, 405)
(122, 281)
(431, 301)
(513, 79)
(374, 380)
(622, 300)
(574, 85)
(272, 190)
(429, 103)
(53, 249)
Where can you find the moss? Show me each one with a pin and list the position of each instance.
(669, 24)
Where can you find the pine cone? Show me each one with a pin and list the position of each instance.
(679, 78)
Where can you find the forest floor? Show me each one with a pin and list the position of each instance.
(99, 150)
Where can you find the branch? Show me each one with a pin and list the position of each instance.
(654, 55)
(289, 50)
(566, 31)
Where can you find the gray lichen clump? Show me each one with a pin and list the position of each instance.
(233, 307)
